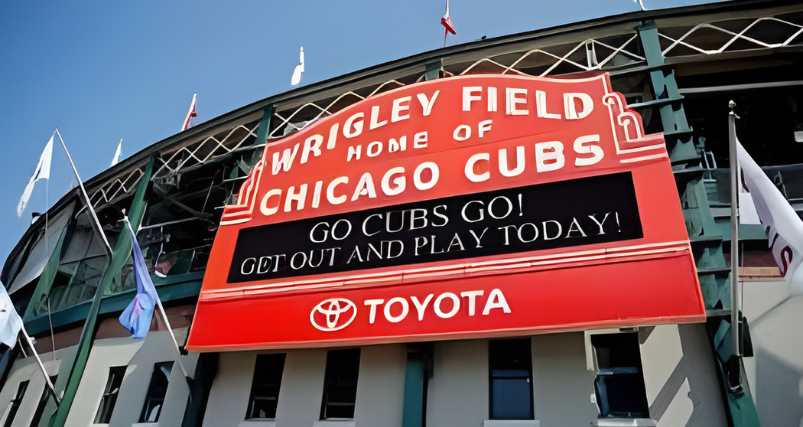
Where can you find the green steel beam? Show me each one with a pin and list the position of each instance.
(705, 235)
(122, 252)
(181, 287)
(413, 409)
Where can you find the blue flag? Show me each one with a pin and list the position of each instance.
(138, 315)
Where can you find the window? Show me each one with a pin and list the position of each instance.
(15, 404)
(40, 408)
(511, 370)
(109, 398)
(265, 386)
(340, 384)
(619, 384)
(156, 392)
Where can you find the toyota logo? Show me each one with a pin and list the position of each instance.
(333, 314)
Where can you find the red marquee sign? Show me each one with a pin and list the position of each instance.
(465, 207)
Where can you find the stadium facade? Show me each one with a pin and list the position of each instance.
(528, 230)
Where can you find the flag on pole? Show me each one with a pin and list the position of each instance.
(784, 227)
(299, 69)
(446, 21)
(117, 153)
(190, 114)
(10, 322)
(10, 327)
(42, 172)
(139, 313)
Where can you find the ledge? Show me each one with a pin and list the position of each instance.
(512, 423)
(257, 423)
(624, 422)
(333, 423)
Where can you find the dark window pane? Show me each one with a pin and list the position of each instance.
(109, 399)
(511, 399)
(15, 403)
(340, 383)
(40, 408)
(265, 386)
(156, 392)
(511, 379)
(619, 384)
(617, 350)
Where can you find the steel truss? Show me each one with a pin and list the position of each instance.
(604, 53)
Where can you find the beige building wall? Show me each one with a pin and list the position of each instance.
(562, 386)
(26, 369)
(139, 356)
(458, 390)
(680, 376)
(775, 374)
(681, 383)
(380, 389)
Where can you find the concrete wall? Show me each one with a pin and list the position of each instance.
(680, 376)
(27, 369)
(458, 391)
(228, 399)
(139, 356)
(380, 389)
(562, 386)
(775, 374)
(681, 383)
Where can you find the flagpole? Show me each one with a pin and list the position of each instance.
(41, 365)
(47, 250)
(734, 165)
(52, 335)
(167, 322)
(86, 197)
(169, 329)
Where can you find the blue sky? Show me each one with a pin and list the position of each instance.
(102, 71)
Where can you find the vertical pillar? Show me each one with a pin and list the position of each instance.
(706, 241)
(413, 415)
(416, 379)
(433, 69)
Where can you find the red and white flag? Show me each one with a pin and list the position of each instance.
(763, 202)
(446, 21)
(190, 114)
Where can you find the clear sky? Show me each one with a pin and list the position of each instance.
(102, 71)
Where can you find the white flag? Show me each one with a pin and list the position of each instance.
(190, 114)
(10, 322)
(785, 229)
(117, 153)
(42, 172)
(299, 69)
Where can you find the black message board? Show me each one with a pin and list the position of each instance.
(562, 214)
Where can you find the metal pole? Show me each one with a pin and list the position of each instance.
(169, 329)
(734, 165)
(52, 335)
(164, 316)
(91, 210)
(41, 366)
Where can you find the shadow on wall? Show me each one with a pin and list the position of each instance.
(784, 383)
(691, 395)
